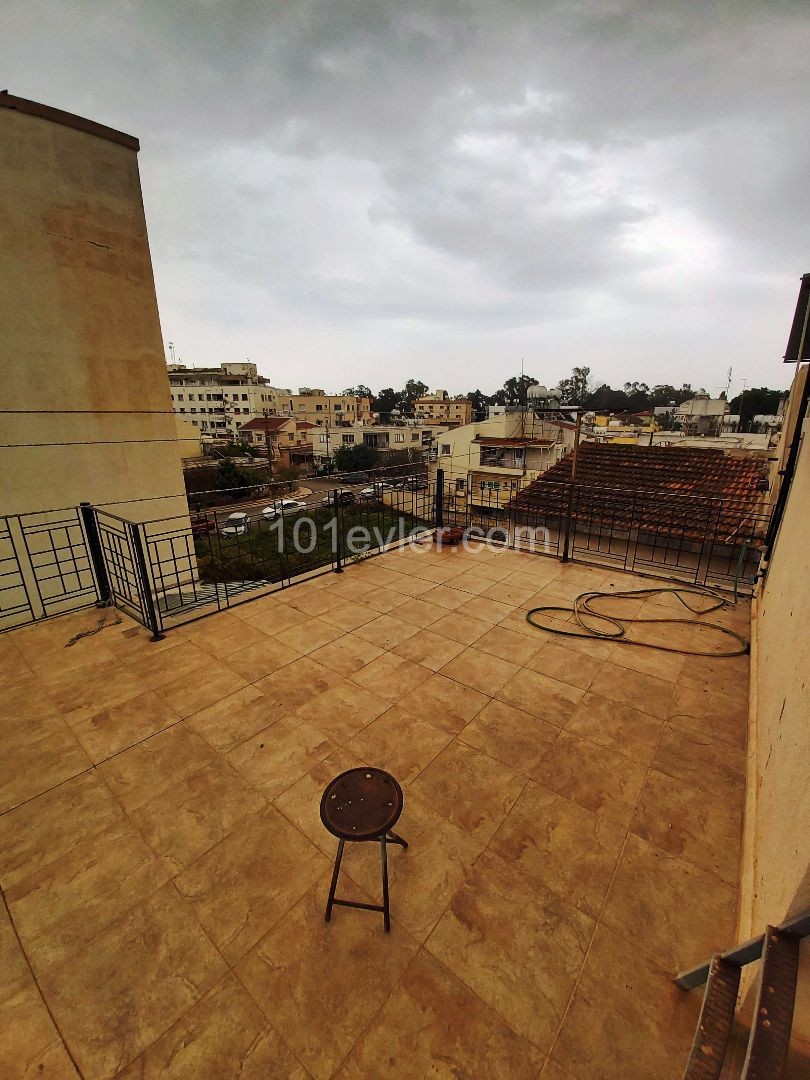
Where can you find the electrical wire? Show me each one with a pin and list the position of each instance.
(582, 609)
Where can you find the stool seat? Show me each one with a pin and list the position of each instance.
(361, 804)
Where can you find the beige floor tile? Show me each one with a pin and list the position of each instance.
(223, 634)
(63, 905)
(230, 721)
(446, 703)
(663, 665)
(224, 1036)
(138, 774)
(300, 804)
(540, 834)
(290, 969)
(480, 670)
(462, 628)
(343, 710)
(601, 780)
(546, 698)
(276, 619)
(566, 665)
(431, 650)
(518, 947)
(261, 658)
(347, 654)
(386, 631)
(445, 596)
(189, 817)
(247, 882)
(702, 762)
(424, 878)
(469, 789)
(274, 759)
(141, 975)
(471, 582)
(295, 684)
(412, 585)
(615, 726)
(719, 715)
(510, 594)
(201, 688)
(420, 613)
(312, 599)
(53, 824)
(644, 692)
(96, 687)
(399, 742)
(657, 1019)
(309, 636)
(391, 676)
(507, 644)
(509, 735)
(484, 608)
(112, 730)
(683, 820)
(382, 600)
(671, 899)
(154, 670)
(30, 1045)
(37, 755)
(434, 1025)
(724, 674)
(347, 615)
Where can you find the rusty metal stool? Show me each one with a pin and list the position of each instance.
(362, 805)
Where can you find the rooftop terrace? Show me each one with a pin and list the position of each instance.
(573, 810)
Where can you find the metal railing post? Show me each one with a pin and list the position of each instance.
(338, 534)
(438, 512)
(96, 552)
(568, 514)
(149, 609)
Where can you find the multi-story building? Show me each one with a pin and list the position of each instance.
(287, 438)
(220, 400)
(701, 415)
(440, 408)
(325, 410)
(622, 427)
(485, 463)
(384, 438)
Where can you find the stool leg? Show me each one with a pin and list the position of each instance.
(333, 886)
(384, 858)
(392, 836)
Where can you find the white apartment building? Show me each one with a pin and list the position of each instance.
(218, 401)
(382, 437)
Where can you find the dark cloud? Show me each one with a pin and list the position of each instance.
(368, 190)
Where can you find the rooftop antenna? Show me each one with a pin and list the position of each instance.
(171, 351)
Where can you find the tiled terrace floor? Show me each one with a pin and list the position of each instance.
(573, 809)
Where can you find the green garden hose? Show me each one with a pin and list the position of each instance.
(617, 628)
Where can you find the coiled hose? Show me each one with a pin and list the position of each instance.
(616, 628)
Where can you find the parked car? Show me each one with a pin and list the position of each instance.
(355, 478)
(202, 526)
(369, 494)
(236, 524)
(340, 495)
(283, 506)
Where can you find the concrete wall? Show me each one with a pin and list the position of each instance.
(776, 867)
(86, 410)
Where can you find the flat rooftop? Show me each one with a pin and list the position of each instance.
(573, 810)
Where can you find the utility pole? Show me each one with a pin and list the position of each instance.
(267, 443)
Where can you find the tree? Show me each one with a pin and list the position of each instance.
(605, 399)
(353, 458)
(230, 475)
(358, 391)
(414, 389)
(387, 400)
(757, 401)
(515, 390)
(479, 402)
(575, 390)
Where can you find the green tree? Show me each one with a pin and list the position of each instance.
(414, 389)
(230, 475)
(386, 401)
(353, 458)
(358, 391)
(575, 390)
(757, 401)
(514, 391)
(480, 401)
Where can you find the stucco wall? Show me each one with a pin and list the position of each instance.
(86, 412)
(776, 873)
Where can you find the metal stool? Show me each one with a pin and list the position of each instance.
(361, 805)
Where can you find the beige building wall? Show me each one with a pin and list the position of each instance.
(321, 409)
(436, 409)
(188, 439)
(86, 410)
(776, 865)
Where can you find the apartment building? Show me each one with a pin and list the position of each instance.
(485, 463)
(381, 437)
(622, 427)
(440, 408)
(325, 410)
(287, 438)
(219, 400)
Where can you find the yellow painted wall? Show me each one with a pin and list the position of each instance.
(86, 411)
(776, 867)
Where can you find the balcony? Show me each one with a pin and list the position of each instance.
(573, 810)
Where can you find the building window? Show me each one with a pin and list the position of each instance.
(445, 449)
(190, 397)
(207, 397)
(460, 485)
(194, 410)
(319, 408)
(182, 410)
(414, 436)
(180, 397)
(235, 397)
(322, 438)
(399, 436)
(203, 423)
(337, 407)
(348, 440)
(244, 397)
(302, 407)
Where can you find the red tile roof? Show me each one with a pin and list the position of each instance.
(269, 423)
(486, 441)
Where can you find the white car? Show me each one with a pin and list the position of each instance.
(371, 493)
(236, 524)
(285, 507)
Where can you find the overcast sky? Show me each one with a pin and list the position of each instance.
(368, 191)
